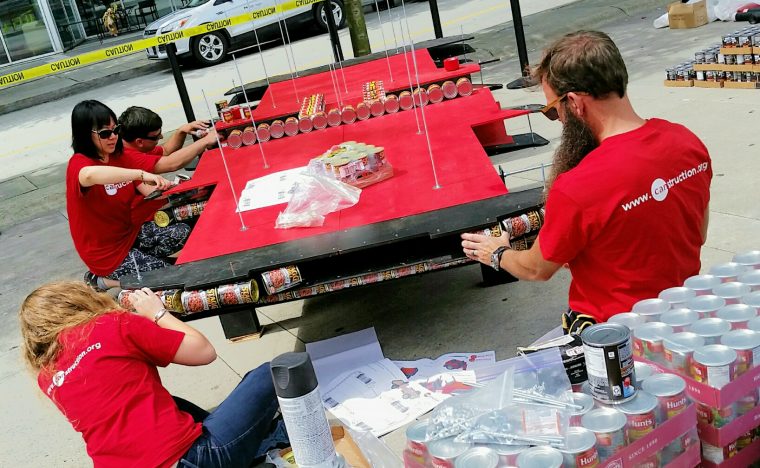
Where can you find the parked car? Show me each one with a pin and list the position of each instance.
(211, 48)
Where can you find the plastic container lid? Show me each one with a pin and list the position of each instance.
(751, 278)
(578, 440)
(642, 403)
(705, 304)
(727, 270)
(664, 385)
(478, 457)
(605, 334)
(741, 339)
(653, 331)
(540, 457)
(737, 313)
(417, 432)
(702, 282)
(711, 327)
(749, 258)
(714, 355)
(679, 317)
(604, 420)
(649, 307)
(732, 290)
(629, 319)
(683, 342)
(752, 299)
(678, 295)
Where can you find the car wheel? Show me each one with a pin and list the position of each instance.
(320, 15)
(210, 49)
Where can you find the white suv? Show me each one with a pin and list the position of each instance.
(211, 48)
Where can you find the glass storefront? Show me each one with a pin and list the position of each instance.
(68, 22)
(23, 29)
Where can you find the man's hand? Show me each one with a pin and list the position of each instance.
(156, 180)
(479, 247)
(146, 303)
(196, 125)
(210, 138)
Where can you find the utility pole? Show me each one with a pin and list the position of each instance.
(357, 27)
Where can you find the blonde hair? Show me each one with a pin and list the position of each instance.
(52, 309)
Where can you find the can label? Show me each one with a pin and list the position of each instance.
(746, 404)
(716, 417)
(441, 462)
(671, 406)
(281, 279)
(418, 449)
(746, 359)
(124, 301)
(610, 370)
(609, 443)
(714, 376)
(677, 361)
(639, 425)
(234, 294)
(744, 441)
(587, 459)
(638, 347)
(198, 301)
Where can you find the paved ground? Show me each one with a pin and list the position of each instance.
(417, 317)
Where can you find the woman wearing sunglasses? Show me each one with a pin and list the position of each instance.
(105, 190)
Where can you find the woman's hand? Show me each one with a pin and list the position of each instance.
(195, 125)
(156, 180)
(146, 303)
(479, 247)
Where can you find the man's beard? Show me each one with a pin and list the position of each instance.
(577, 141)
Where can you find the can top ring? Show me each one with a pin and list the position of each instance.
(752, 299)
(650, 307)
(736, 313)
(741, 339)
(679, 317)
(540, 457)
(578, 440)
(604, 420)
(710, 327)
(702, 282)
(642, 402)
(751, 278)
(677, 294)
(732, 289)
(447, 448)
(477, 457)
(629, 319)
(751, 257)
(664, 385)
(715, 355)
(653, 331)
(683, 342)
(605, 334)
(707, 303)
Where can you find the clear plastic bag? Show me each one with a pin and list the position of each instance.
(375, 451)
(314, 197)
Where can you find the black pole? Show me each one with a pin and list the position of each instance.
(333, 30)
(522, 48)
(436, 19)
(171, 52)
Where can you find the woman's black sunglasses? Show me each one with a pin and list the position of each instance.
(106, 133)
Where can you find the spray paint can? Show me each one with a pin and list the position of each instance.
(301, 405)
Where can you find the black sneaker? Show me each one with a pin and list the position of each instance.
(92, 281)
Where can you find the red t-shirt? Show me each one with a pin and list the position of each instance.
(106, 384)
(628, 218)
(105, 219)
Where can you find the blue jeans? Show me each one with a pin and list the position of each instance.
(241, 428)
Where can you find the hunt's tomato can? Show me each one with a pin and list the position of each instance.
(641, 415)
(670, 391)
(580, 449)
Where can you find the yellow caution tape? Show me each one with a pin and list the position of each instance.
(136, 46)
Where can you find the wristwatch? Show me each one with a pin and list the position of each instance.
(496, 257)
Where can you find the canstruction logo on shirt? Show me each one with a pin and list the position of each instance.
(661, 187)
(60, 377)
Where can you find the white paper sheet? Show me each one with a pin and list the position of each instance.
(335, 356)
(377, 398)
(450, 374)
(272, 189)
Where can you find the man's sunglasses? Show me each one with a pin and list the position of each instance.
(106, 133)
(153, 138)
(550, 110)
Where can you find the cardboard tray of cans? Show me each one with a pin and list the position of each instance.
(679, 84)
(720, 437)
(742, 459)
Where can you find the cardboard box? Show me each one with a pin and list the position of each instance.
(731, 431)
(744, 458)
(740, 85)
(686, 16)
(736, 50)
(344, 445)
(708, 84)
(679, 84)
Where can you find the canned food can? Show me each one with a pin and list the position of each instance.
(744, 441)
(641, 414)
(738, 315)
(444, 452)
(334, 118)
(435, 93)
(651, 309)
(746, 403)
(291, 126)
(714, 365)
(754, 324)
(507, 453)
(391, 104)
(464, 86)
(420, 97)
(706, 306)
(161, 218)
(751, 258)
(643, 372)
(699, 57)
(238, 293)
(700, 75)
(608, 426)
(716, 417)
(608, 352)
(405, 100)
(670, 74)
(478, 457)
(348, 114)
(679, 348)
(221, 105)
(416, 435)
(670, 391)
(281, 279)
(362, 111)
(647, 341)
(753, 300)
(376, 108)
(711, 329)
(752, 279)
(740, 60)
(171, 299)
(629, 319)
(264, 132)
(123, 299)
(319, 120)
(277, 129)
(580, 449)
(235, 139)
(729, 40)
(245, 112)
(305, 125)
(199, 301)
(718, 455)
(677, 297)
(729, 59)
(449, 89)
(237, 112)
(746, 343)
(586, 403)
(249, 136)
(680, 320)
(728, 272)
(732, 291)
(540, 457)
(227, 115)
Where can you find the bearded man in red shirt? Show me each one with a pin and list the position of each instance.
(627, 200)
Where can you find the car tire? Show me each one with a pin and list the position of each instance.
(209, 49)
(320, 16)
